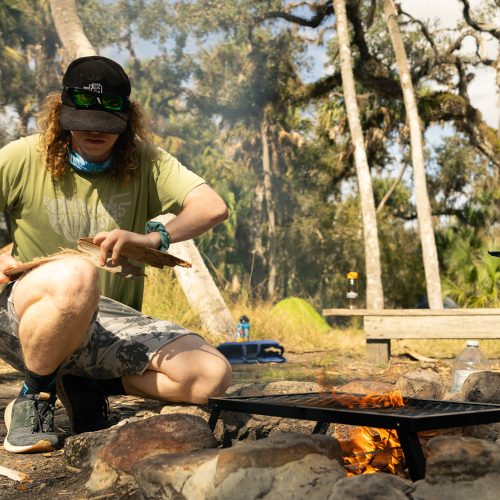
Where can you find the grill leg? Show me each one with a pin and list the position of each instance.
(414, 455)
(214, 416)
(321, 427)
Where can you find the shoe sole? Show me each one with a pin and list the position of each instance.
(40, 446)
(64, 399)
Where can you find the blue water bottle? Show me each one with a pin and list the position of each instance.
(243, 333)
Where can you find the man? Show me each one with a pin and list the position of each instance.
(92, 172)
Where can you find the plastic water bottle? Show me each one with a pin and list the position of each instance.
(468, 361)
(352, 290)
(246, 328)
(243, 329)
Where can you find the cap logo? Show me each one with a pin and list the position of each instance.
(94, 87)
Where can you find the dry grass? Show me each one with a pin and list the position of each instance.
(445, 348)
(267, 325)
(164, 298)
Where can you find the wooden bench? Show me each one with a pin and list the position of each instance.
(383, 325)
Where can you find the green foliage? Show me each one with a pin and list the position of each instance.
(471, 276)
(219, 72)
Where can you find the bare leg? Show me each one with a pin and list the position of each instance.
(55, 304)
(186, 370)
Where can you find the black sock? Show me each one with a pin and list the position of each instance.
(34, 383)
(110, 387)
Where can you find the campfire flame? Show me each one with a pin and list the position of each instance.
(393, 399)
(372, 450)
(366, 449)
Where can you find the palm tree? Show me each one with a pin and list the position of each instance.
(374, 290)
(472, 276)
(429, 251)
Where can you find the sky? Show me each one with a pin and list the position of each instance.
(482, 89)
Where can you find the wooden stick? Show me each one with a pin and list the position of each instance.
(13, 474)
(90, 250)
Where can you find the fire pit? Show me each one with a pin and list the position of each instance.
(408, 417)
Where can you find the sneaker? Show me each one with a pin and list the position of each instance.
(30, 424)
(87, 410)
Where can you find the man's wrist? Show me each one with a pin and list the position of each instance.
(154, 240)
(164, 236)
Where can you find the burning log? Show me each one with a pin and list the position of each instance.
(366, 450)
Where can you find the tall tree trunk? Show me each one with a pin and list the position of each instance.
(374, 291)
(201, 292)
(497, 67)
(69, 29)
(429, 251)
(257, 270)
(268, 194)
(198, 285)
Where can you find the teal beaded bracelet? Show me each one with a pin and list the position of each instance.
(157, 227)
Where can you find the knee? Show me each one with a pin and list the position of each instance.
(73, 282)
(67, 286)
(213, 378)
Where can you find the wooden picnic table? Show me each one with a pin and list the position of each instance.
(383, 325)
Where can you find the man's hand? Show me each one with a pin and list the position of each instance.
(6, 260)
(112, 242)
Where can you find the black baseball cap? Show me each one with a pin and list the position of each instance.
(101, 75)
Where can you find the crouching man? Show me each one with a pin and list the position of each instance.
(76, 331)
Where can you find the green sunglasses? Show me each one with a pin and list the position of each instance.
(85, 99)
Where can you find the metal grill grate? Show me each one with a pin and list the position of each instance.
(416, 414)
(343, 408)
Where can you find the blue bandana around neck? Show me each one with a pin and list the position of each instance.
(83, 166)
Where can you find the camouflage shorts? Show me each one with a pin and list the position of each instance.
(120, 341)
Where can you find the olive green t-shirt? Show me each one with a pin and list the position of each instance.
(47, 215)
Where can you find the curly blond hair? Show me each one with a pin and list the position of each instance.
(55, 142)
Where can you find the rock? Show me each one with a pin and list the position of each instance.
(291, 387)
(423, 384)
(378, 486)
(135, 441)
(220, 430)
(309, 477)
(152, 436)
(232, 427)
(194, 410)
(482, 387)
(104, 477)
(286, 466)
(489, 432)
(80, 450)
(240, 426)
(245, 390)
(274, 452)
(245, 484)
(176, 476)
(484, 488)
(459, 459)
(254, 427)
